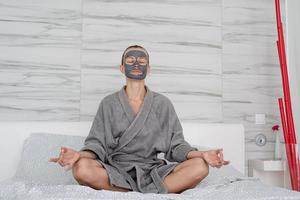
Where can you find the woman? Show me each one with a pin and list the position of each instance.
(130, 128)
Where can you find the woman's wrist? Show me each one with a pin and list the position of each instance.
(87, 154)
(195, 154)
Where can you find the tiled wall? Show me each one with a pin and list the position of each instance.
(250, 70)
(215, 59)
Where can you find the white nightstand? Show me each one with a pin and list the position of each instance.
(270, 172)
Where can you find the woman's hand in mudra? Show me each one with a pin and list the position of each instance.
(215, 158)
(67, 158)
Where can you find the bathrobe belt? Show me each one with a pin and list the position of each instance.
(116, 157)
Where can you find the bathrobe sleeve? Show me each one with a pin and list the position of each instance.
(178, 147)
(95, 141)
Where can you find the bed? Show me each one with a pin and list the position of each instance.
(25, 172)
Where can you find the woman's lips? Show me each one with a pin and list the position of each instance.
(136, 71)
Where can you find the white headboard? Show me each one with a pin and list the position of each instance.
(12, 135)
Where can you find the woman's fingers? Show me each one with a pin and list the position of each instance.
(216, 158)
(71, 162)
(63, 150)
(63, 159)
(56, 159)
(226, 162)
(64, 162)
(63, 154)
(60, 162)
(219, 150)
(221, 156)
(218, 163)
(67, 161)
(53, 159)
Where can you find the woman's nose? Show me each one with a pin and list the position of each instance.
(136, 64)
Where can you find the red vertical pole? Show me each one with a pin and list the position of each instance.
(287, 98)
(286, 139)
(290, 130)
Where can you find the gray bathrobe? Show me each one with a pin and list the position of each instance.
(127, 144)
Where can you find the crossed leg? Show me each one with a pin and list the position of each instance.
(185, 175)
(91, 173)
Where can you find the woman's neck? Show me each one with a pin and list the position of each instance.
(135, 90)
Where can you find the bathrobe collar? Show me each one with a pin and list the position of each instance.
(136, 121)
(146, 105)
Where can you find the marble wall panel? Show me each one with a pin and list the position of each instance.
(40, 60)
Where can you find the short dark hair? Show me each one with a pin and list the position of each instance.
(134, 46)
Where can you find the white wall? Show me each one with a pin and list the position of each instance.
(293, 56)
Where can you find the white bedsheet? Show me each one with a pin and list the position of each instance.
(227, 188)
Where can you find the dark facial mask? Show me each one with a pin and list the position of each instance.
(136, 65)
